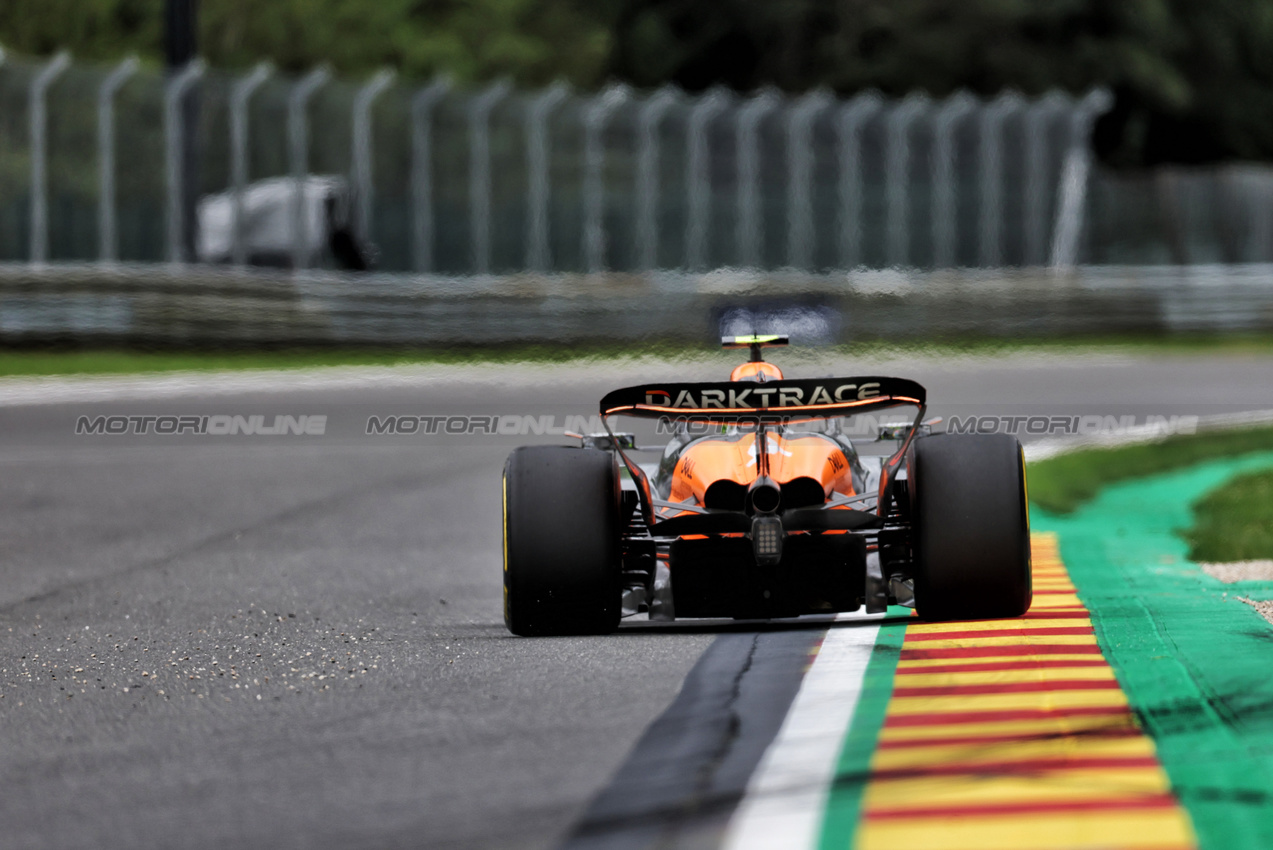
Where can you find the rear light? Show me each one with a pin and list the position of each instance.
(766, 539)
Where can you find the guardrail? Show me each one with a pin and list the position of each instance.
(172, 305)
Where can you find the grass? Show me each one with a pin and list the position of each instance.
(1060, 484)
(1234, 522)
(115, 362)
(40, 362)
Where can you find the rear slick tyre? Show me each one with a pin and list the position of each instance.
(970, 526)
(561, 541)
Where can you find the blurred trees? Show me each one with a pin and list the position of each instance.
(91, 29)
(1193, 78)
(530, 41)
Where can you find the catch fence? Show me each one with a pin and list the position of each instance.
(127, 164)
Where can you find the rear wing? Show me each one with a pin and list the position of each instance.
(769, 403)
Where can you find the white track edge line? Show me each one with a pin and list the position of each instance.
(786, 798)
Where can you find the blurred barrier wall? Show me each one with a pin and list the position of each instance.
(161, 304)
(493, 181)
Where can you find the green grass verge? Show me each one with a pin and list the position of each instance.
(15, 363)
(37, 362)
(1234, 522)
(1191, 657)
(1060, 484)
(40, 363)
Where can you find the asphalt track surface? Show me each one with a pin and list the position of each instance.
(297, 641)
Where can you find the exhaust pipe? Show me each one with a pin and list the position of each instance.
(764, 496)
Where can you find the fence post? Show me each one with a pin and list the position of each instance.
(480, 173)
(800, 234)
(174, 94)
(1073, 190)
(1036, 180)
(595, 116)
(422, 171)
(1257, 212)
(897, 167)
(107, 238)
(647, 174)
(749, 230)
(240, 94)
(698, 178)
(364, 180)
(990, 247)
(298, 147)
(538, 251)
(849, 125)
(945, 214)
(37, 97)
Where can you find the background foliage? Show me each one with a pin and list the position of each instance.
(1193, 78)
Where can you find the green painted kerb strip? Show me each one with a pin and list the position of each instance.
(853, 769)
(1196, 663)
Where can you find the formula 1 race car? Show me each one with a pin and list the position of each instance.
(762, 507)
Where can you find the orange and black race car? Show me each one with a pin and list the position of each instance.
(763, 507)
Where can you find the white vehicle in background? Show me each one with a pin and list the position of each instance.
(269, 225)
